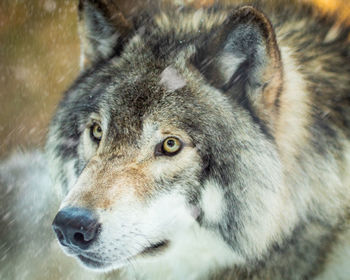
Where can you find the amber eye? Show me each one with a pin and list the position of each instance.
(171, 146)
(96, 132)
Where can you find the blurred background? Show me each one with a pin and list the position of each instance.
(39, 59)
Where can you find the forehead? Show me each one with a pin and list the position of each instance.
(156, 93)
(138, 94)
(145, 82)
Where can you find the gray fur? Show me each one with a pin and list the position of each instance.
(271, 131)
(233, 134)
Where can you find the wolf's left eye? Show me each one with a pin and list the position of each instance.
(169, 147)
(96, 132)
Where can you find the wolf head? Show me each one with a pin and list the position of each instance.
(170, 130)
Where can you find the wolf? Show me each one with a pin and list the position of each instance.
(206, 143)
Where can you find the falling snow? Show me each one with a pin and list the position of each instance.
(39, 58)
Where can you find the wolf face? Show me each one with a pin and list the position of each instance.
(168, 135)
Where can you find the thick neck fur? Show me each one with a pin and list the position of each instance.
(310, 248)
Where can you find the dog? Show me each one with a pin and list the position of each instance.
(206, 143)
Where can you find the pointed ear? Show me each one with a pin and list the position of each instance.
(243, 59)
(103, 30)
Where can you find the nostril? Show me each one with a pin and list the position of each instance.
(86, 236)
(59, 235)
(79, 238)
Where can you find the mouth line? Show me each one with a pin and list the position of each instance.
(155, 248)
(91, 262)
(151, 250)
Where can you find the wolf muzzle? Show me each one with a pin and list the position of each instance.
(76, 228)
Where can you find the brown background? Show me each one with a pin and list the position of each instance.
(39, 58)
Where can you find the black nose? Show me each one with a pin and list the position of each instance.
(76, 227)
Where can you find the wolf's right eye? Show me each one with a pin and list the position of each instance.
(96, 132)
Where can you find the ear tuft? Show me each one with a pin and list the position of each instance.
(103, 30)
